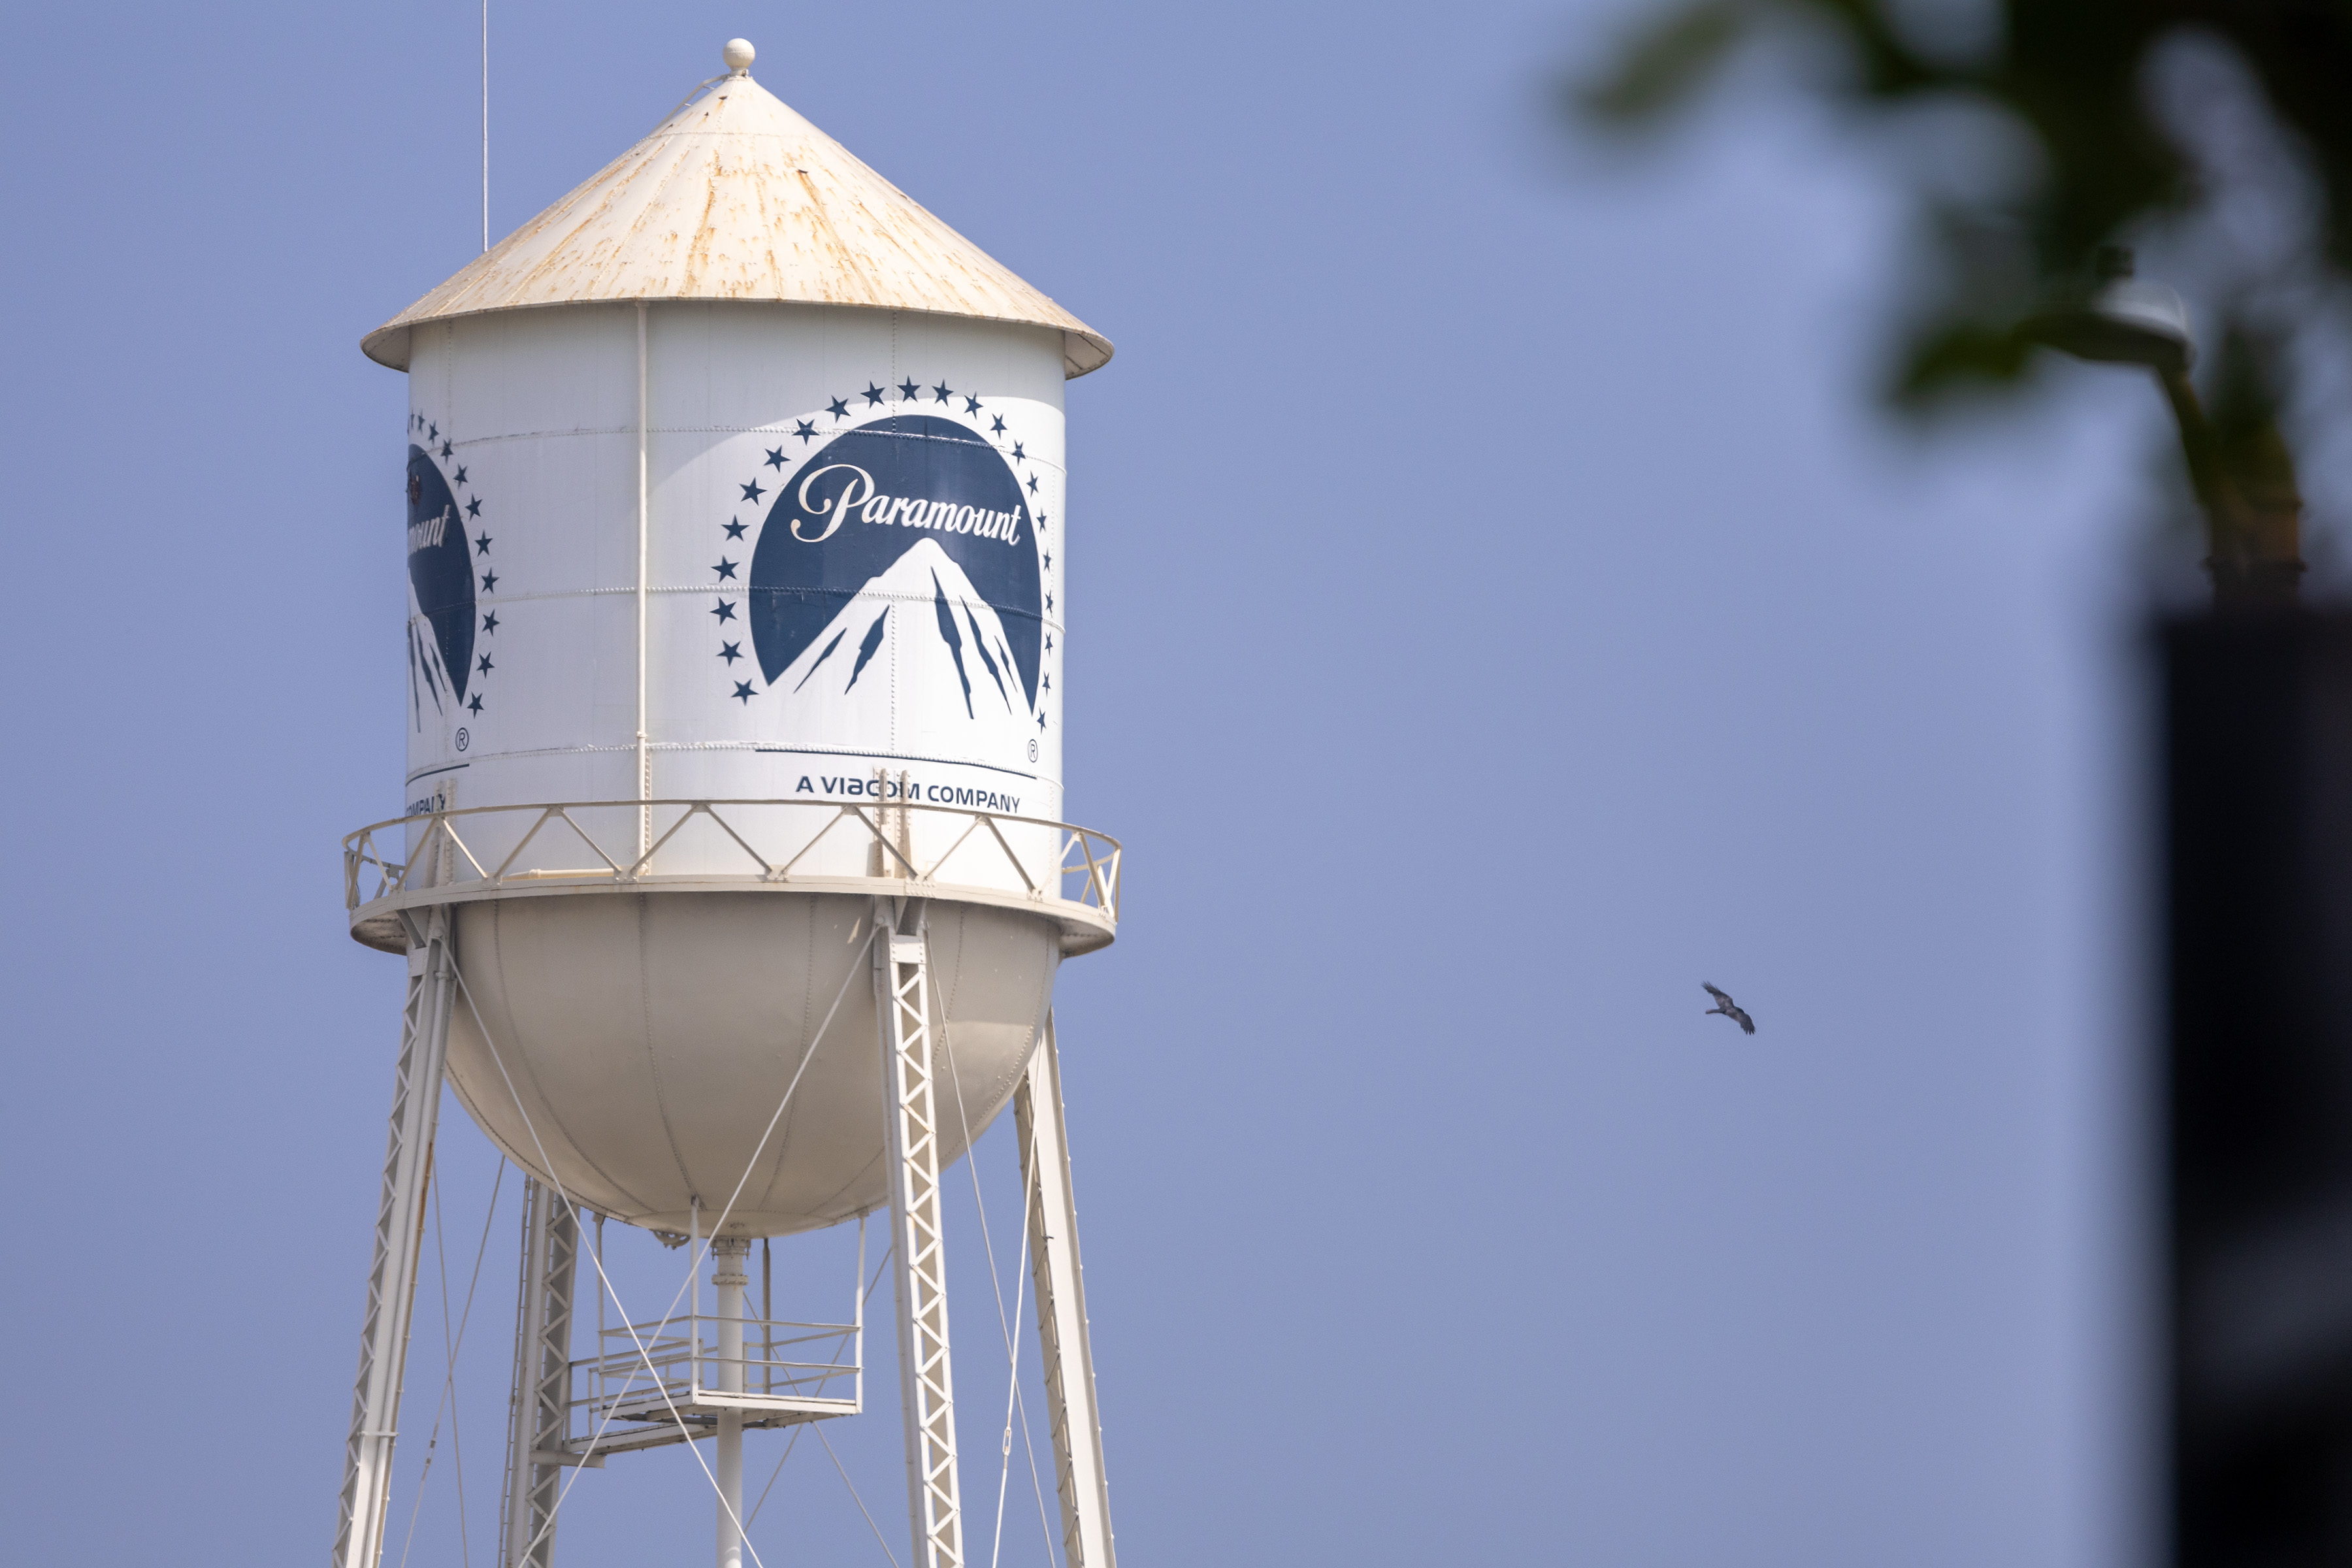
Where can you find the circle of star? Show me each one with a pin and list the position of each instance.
(437, 444)
(794, 440)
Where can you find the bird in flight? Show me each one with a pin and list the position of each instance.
(1729, 1009)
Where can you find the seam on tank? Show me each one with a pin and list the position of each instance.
(514, 1033)
(995, 1091)
(653, 1058)
(1011, 1081)
(1037, 1013)
(1045, 998)
(778, 427)
(881, 1159)
(523, 1064)
(808, 1047)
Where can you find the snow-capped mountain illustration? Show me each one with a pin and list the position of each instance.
(440, 574)
(431, 694)
(853, 510)
(918, 653)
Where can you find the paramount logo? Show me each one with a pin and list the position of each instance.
(428, 535)
(857, 493)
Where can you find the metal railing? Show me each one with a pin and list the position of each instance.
(767, 841)
(647, 1370)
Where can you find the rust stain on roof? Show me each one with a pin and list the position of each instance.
(735, 196)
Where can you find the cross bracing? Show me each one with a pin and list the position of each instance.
(548, 1409)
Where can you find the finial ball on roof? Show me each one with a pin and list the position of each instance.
(738, 55)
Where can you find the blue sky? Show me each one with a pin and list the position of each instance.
(1499, 609)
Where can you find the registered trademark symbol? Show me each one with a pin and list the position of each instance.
(1033, 747)
(462, 738)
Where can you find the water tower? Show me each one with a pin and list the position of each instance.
(731, 880)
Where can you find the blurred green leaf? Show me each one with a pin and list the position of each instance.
(1960, 357)
(2073, 76)
(1661, 65)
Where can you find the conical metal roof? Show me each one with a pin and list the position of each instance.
(736, 197)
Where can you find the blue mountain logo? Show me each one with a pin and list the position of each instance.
(440, 570)
(865, 499)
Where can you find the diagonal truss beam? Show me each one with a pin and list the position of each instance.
(399, 1230)
(1060, 1284)
(927, 1389)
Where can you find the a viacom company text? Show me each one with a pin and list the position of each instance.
(908, 787)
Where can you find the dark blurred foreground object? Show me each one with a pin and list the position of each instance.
(2080, 129)
(2170, 120)
(2258, 740)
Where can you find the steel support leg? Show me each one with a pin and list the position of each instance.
(1060, 1291)
(730, 1280)
(535, 1425)
(902, 998)
(399, 1227)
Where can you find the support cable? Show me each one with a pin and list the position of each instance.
(701, 1249)
(434, 1442)
(752, 1518)
(694, 1263)
(806, 1058)
(449, 1378)
(1012, 1387)
(605, 1280)
(996, 1286)
(423, 1477)
(449, 1359)
(858, 1501)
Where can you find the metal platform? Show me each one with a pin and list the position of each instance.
(661, 1383)
(455, 857)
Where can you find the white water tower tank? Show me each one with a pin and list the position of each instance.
(737, 542)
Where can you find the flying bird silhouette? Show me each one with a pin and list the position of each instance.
(1729, 1009)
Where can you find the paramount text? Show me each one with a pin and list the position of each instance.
(858, 494)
